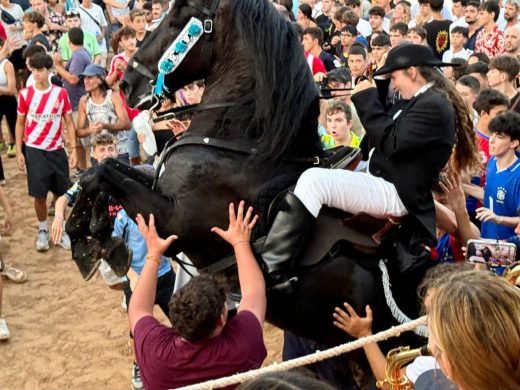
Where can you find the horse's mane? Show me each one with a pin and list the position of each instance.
(282, 109)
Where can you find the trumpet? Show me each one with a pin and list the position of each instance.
(395, 360)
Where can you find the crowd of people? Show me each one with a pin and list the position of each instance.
(429, 92)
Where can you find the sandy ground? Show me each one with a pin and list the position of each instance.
(65, 333)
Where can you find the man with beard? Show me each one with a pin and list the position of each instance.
(510, 15)
(471, 14)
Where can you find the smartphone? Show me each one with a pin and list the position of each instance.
(491, 252)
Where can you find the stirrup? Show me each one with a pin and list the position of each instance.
(284, 287)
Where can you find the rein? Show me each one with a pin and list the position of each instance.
(237, 146)
(174, 112)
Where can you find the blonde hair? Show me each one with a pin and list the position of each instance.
(407, 14)
(475, 316)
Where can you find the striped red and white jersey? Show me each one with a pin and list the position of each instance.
(43, 112)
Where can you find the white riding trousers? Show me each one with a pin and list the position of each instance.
(353, 192)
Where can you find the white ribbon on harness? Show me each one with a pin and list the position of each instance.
(392, 305)
(177, 51)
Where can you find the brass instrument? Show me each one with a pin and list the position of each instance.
(395, 360)
(512, 274)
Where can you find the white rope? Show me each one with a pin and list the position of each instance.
(392, 304)
(309, 359)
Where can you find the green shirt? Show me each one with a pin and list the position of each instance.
(90, 43)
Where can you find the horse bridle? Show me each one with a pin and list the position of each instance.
(207, 15)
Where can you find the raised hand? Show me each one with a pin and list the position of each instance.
(240, 226)
(155, 244)
(351, 323)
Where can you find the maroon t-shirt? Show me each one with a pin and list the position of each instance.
(167, 361)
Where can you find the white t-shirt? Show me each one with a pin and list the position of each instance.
(89, 25)
(364, 28)
(16, 12)
(420, 365)
(449, 54)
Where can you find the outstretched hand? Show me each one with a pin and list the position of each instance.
(155, 244)
(351, 323)
(452, 187)
(240, 226)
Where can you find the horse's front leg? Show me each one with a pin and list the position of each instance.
(104, 189)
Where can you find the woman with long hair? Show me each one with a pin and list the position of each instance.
(410, 145)
(102, 110)
(305, 18)
(474, 328)
(402, 14)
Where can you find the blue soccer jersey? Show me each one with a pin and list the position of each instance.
(502, 197)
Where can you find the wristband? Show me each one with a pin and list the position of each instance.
(154, 259)
(240, 242)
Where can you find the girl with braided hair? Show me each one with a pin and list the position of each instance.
(411, 144)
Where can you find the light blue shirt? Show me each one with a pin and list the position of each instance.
(126, 228)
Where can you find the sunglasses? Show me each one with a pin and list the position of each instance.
(70, 14)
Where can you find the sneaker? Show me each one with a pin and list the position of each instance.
(137, 383)
(4, 335)
(65, 241)
(124, 307)
(42, 241)
(11, 150)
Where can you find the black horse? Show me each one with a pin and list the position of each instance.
(252, 136)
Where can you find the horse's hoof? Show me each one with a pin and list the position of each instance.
(117, 255)
(85, 253)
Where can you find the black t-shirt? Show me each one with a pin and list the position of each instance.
(438, 36)
(328, 60)
(324, 23)
(139, 42)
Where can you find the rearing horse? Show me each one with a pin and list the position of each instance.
(254, 133)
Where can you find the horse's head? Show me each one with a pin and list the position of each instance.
(143, 67)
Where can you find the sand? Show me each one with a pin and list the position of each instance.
(65, 333)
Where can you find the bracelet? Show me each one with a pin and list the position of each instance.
(154, 259)
(240, 242)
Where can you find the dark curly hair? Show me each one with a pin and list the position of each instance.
(195, 309)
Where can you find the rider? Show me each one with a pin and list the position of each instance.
(411, 145)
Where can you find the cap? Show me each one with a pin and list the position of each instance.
(94, 70)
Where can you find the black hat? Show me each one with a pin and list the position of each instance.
(406, 55)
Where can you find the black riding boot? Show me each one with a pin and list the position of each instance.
(287, 236)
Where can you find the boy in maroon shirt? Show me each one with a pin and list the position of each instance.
(201, 344)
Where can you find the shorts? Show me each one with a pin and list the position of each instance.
(46, 171)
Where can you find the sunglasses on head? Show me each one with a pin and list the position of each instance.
(72, 13)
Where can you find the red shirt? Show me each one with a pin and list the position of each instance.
(43, 112)
(3, 34)
(315, 63)
(491, 44)
(132, 112)
(167, 361)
